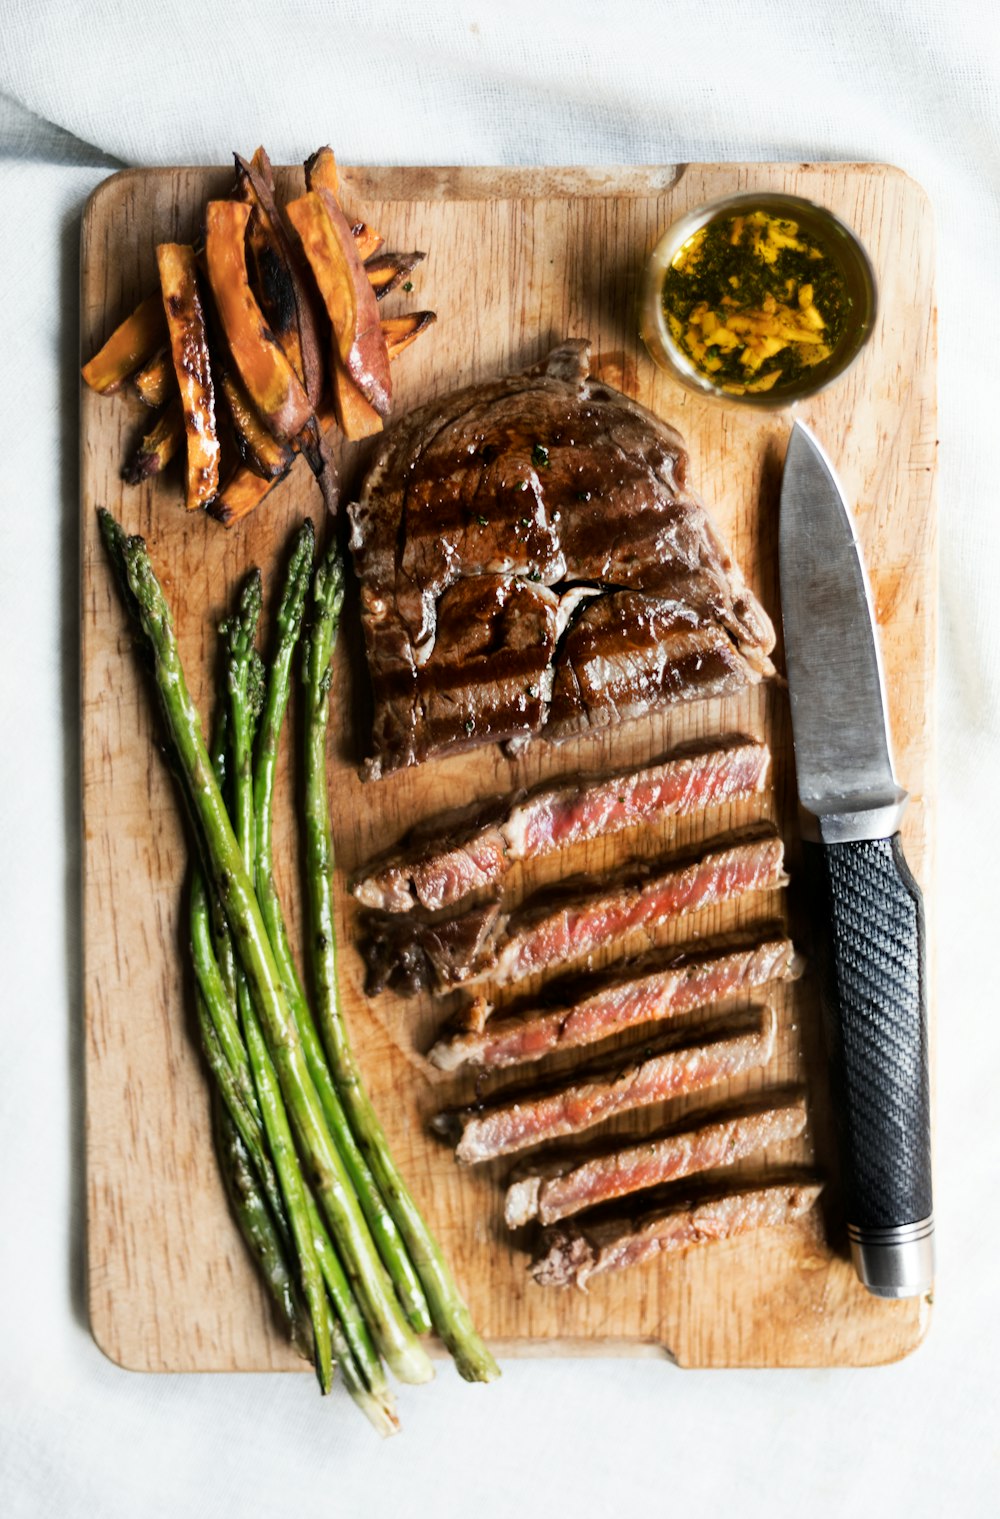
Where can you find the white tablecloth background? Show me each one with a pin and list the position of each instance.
(86, 88)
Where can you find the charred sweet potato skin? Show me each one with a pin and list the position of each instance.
(178, 266)
(286, 299)
(131, 344)
(271, 382)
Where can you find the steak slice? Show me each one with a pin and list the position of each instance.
(454, 856)
(569, 1257)
(484, 943)
(554, 484)
(646, 995)
(560, 1188)
(675, 1070)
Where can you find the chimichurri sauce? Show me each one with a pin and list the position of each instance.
(754, 302)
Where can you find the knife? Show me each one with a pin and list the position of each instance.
(868, 911)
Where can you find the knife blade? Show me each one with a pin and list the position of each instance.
(867, 907)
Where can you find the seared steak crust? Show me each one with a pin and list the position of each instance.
(532, 561)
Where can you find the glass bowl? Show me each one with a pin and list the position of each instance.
(816, 222)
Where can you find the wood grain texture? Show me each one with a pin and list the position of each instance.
(518, 259)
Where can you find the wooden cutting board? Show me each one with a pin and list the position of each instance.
(518, 259)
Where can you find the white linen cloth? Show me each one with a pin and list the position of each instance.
(85, 88)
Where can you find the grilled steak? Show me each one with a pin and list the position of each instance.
(532, 561)
(559, 1188)
(484, 943)
(675, 1070)
(645, 995)
(569, 1257)
(449, 858)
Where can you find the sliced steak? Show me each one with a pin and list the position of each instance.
(462, 853)
(570, 1256)
(645, 995)
(675, 1070)
(483, 943)
(547, 481)
(560, 1188)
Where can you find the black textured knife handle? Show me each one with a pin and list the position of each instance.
(870, 928)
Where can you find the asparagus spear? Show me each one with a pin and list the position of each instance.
(363, 1374)
(383, 1227)
(257, 1226)
(449, 1312)
(402, 1350)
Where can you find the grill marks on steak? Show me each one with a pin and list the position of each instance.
(675, 1070)
(571, 1255)
(535, 492)
(484, 943)
(562, 1187)
(463, 853)
(645, 995)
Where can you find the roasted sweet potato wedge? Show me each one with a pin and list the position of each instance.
(265, 454)
(321, 171)
(281, 280)
(356, 417)
(133, 341)
(158, 446)
(270, 380)
(262, 164)
(156, 382)
(387, 270)
(178, 266)
(349, 299)
(401, 331)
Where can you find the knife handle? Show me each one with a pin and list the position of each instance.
(870, 923)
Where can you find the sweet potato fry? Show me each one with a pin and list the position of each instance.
(401, 331)
(158, 446)
(271, 382)
(356, 417)
(262, 164)
(349, 299)
(321, 171)
(266, 455)
(133, 342)
(366, 240)
(387, 270)
(178, 266)
(285, 297)
(156, 382)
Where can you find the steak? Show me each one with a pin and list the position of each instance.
(645, 995)
(560, 1188)
(674, 1070)
(570, 1256)
(449, 858)
(409, 953)
(532, 561)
